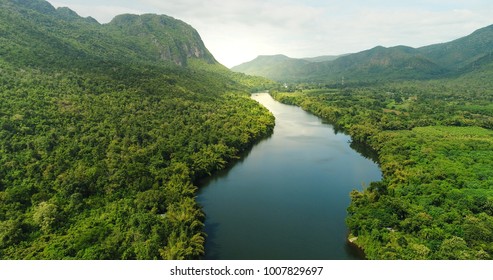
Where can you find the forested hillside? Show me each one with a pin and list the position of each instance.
(382, 64)
(427, 113)
(105, 129)
(276, 67)
(434, 142)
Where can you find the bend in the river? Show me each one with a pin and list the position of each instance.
(288, 198)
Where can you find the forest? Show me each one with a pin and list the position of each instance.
(381, 64)
(102, 143)
(105, 130)
(434, 142)
(99, 168)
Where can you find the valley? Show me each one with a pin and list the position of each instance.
(427, 113)
(287, 199)
(107, 131)
(435, 152)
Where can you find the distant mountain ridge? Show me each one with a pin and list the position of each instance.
(461, 52)
(323, 58)
(276, 67)
(380, 63)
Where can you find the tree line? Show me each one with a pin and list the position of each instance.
(434, 142)
(101, 163)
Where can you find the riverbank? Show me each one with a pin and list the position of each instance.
(435, 187)
(287, 199)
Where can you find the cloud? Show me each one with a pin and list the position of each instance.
(414, 27)
(239, 30)
(236, 31)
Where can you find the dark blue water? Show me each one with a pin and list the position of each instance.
(288, 198)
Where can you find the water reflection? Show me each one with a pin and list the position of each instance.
(287, 198)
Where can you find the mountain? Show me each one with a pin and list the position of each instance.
(161, 38)
(105, 130)
(383, 64)
(463, 52)
(279, 67)
(322, 58)
(379, 63)
(276, 67)
(56, 33)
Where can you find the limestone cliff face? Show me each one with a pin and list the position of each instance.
(162, 37)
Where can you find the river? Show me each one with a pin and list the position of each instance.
(287, 198)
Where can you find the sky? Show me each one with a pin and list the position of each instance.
(237, 31)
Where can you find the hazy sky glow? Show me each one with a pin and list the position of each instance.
(237, 31)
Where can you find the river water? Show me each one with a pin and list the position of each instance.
(287, 198)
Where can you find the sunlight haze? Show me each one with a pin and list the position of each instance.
(239, 30)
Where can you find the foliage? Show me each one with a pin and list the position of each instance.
(381, 64)
(100, 144)
(435, 148)
(276, 67)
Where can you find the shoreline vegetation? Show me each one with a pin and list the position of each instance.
(105, 129)
(93, 172)
(435, 149)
